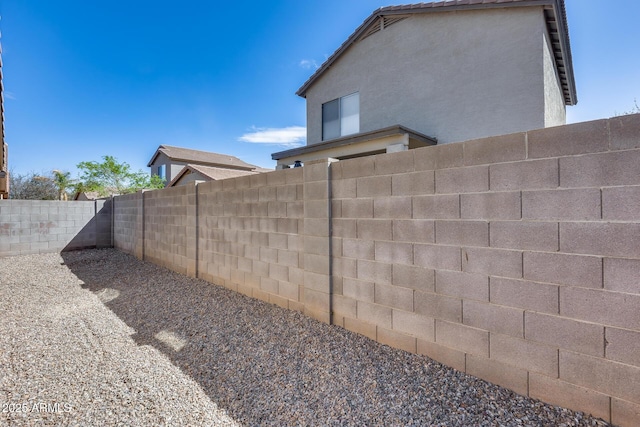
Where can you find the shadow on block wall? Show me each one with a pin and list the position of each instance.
(41, 226)
(96, 233)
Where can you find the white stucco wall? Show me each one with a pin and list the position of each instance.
(450, 75)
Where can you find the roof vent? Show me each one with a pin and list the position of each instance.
(380, 24)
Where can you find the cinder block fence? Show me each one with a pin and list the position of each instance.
(39, 226)
(515, 258)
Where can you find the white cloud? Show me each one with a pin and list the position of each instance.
(291, 136)
(308, 64)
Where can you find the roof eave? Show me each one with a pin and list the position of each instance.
(213, 164)
(162, 148)
(563, 28)
(558, 8)
(153, 158)
(327, 64)
(179, 176)
(356, 138)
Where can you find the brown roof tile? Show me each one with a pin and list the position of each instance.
(214, 173)
(201, 158)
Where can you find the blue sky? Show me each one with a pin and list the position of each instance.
(84, 79)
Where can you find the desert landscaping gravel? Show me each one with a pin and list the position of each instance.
(99, 338)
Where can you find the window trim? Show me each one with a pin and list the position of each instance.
(340, 117)
(162, 171)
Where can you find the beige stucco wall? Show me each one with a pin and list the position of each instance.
(189, 178)
(453, 76)
(173, 167)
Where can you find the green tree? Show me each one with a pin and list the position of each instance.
(63, 181)
(111, 177)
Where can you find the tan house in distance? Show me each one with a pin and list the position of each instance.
(180, 166)
(447, 71)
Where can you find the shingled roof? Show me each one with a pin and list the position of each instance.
(207, 158)
(554, 12)
(214, 173)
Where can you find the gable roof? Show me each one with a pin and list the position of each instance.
(207, 158)
(554, 12)
(213, 173)
(86, 195)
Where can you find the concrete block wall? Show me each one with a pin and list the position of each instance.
(515, 259)
(128, 224)
(316, 250)
(39, 226)
(169, 228)
(104, 223)
(251, 237)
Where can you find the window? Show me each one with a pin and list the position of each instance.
(341, 117)
(162, 172)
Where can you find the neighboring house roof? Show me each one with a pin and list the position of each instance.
(208, 158)
(213, 173)
(555, 15)
(416, 139)
(87, 195)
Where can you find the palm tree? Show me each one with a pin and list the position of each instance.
(63, 181)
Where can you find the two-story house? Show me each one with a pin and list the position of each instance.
(179, 166)
(448, 71)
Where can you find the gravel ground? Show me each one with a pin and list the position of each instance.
(99, 338)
